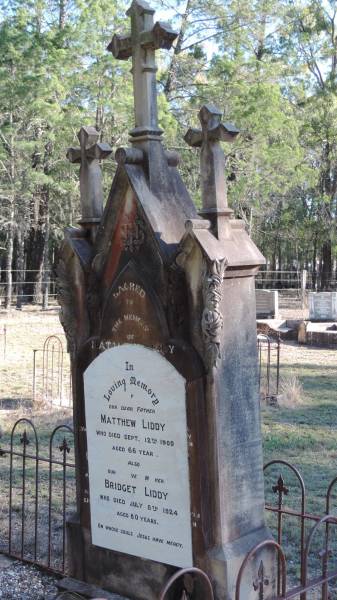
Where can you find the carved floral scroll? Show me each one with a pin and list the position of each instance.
(212, 320)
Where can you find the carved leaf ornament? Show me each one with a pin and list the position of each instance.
(67, 303)
(212, 320)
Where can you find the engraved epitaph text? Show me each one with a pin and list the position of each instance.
(137, 453)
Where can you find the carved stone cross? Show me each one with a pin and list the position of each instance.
(141, 44)
(88, 155)
(212, 163)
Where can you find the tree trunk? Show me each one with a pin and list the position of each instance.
(9, 257)
(314, 260)
(11, 220)
(34, 253)
(326, 272)
(279, 266)
(169, 85)
(45, 277)
(20, 265)
(62, 14)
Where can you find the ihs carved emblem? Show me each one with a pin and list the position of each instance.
(132, 233)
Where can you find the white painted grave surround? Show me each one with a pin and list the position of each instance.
(323, 306)
(135, 405)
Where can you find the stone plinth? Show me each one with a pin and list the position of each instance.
(323, 335)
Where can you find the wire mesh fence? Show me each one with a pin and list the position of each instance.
(28, 286)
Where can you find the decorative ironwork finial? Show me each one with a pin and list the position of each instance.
(280, 489)
(261, 581)
(64, 447)
(24, 439)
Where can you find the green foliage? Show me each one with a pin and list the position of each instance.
(270, 65)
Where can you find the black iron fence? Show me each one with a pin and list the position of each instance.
(37, 493)
(185, 580)
(305, 568)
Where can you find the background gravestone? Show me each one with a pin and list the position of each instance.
(266, 304)
(322, 306)
(158, 305)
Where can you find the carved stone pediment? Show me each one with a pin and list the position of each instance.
(132, 312)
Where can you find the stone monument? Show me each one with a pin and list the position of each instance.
(322, 306)
(266, 304)
(158, 306)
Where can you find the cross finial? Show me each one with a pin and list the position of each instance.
(88, 155)
(212, 164)
(141, 44)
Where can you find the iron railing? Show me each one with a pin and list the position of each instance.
(38, 493)
(187, 579)
(268, 350)
(52, 381)
(38, 490)
(307, 555)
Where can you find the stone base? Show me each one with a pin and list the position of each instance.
(116, 573)
(225, 564)
(321, 334)
(222, 566)
(75, 549)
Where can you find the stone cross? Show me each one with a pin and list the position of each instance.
(212, 163)
(141, 44)
(88, 155)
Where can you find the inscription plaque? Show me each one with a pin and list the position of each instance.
(323, 306)
(138, 455)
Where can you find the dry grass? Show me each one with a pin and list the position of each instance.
(304, 434)
(27, 331)
(291, 392)
(301, 429)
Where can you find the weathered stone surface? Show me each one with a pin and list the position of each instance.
(86, 590)
(322, 306)
(212, 166)
(321, 334)
(88, 155)
(156, 277)
(266, 304)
